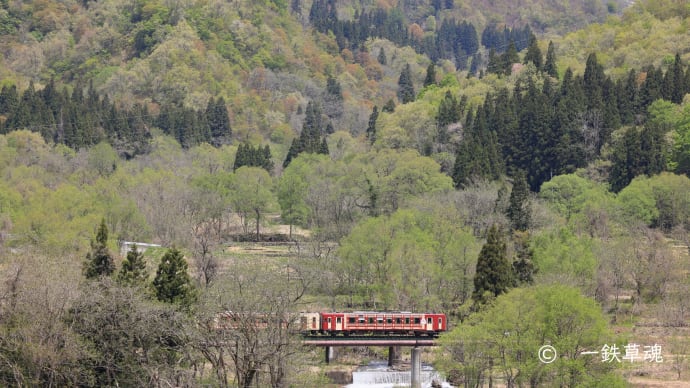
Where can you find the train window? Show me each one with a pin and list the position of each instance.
(371, 320)
(429, 320)
(398, 321)
(338, 320)
(416, 321)
(407, 320)
(440, 322)
(389, 320)
(379, 320)
(351, 320)
(361, 319)
(329, 319)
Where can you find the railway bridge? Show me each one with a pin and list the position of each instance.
(393, 343)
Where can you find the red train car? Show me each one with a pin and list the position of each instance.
(371, 322)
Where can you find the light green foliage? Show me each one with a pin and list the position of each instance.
(660, 201)
(637, 201)
(102, 159)
(291, 191)
(566, 258)
(251, 195)
(395, 176)
(681, 142)
(567, 194)
(505, 337)
(415, 258)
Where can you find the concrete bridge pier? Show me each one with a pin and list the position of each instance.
(415, 380)
(393, 355)
(330, 354)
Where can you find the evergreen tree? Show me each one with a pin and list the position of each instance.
(550, 66)
(310, 139)
(449, 110)
(519, 209)
(523, 263)
(533, 53)
(371, 127)
(406, 91)
(218, 122)
(172, 283)
(133, 271)
(382, 56)
(495, 64)
(493, 275)
(510, 57)
(99, 262)
(389, 106)
(430, 78)
(258, 156)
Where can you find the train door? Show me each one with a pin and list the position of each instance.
(429, 324)
(338, 323)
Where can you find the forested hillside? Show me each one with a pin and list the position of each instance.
(467, 157)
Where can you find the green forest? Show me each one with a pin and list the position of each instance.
(520, 166)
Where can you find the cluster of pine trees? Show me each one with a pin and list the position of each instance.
(248, 155)
(77, 120)
(84, 118)
(312, 139)
(548, 131)
(191, 127)
(453, 40)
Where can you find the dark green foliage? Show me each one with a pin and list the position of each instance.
(218, 122)
(523, 263)
(533, 54)
(311, 139)
(190, 127)
(75, 120)
(495, 37)
(333, 88)
(382, 57)
(519, 211)
(493, 275)
(509, 58)
(638, 153)
(99, 262)
(430, 78)
(478, 156)
(449, 111)
(406, 91)
(133, 271)
(172, 283)
(389, 106)
(371, 127)
(550, 67)
(247, 155)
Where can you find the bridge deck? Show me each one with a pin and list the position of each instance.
(368, 341)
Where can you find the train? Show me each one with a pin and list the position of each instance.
(373, 323)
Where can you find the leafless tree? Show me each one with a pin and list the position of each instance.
(248, 326)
